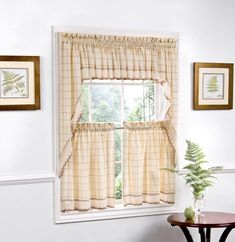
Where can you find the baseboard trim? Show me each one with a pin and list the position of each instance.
(26, 178)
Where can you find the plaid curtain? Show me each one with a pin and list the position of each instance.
(147, 150)
(89, 181)
(84, 57)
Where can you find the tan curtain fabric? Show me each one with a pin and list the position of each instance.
(147, 150)
(89, 182)
(84, 57)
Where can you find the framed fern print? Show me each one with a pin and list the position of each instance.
(19, 82)
(213, 86)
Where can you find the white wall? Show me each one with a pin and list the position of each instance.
(206, 33)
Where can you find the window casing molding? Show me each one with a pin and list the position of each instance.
(111, 213)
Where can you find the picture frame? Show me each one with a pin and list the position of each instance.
(212, 86)
(19, 82)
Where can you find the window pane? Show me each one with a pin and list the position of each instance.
(85, 103)
(133, 82)
(109, 82)
(133, 103)
(118, 181)
(139, 102)
(106, 103)
(148, 107)
(148, 82)
(117, 138)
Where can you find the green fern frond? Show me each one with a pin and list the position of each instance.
(193, 152)
(197, 177)
(6, 89)
(20, 84)
(11, 81)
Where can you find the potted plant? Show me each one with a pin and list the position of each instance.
(197, 176)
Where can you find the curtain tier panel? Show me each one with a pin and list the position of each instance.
(147, 151)
(89, 181)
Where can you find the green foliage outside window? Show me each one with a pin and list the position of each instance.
(106, 107)
(118, 181)
(85, 103)
(106, 101)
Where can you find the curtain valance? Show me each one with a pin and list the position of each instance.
(114, 41)
(121, 57)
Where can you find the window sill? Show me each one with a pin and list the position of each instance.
(114, 213)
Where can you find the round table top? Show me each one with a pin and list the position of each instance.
(207, 219)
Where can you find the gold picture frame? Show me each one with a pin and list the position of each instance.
(19, 82)
(213, 86)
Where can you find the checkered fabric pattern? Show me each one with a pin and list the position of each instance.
(90, 181)
(85, 57)
(147, 151)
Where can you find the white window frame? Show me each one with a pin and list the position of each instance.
(109, 213)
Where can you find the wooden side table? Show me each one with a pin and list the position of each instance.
(206, 221)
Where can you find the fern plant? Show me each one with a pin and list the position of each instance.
(197, 177)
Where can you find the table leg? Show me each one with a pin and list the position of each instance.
(225, 234)
(202, 234)
(208, 234)
(186, 234)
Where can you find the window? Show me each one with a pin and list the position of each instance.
(118, 101)
(117, 107)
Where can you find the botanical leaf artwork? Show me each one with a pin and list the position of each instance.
(12, 84)
(212, 85)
